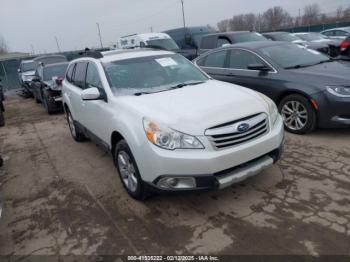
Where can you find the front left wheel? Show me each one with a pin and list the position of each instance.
(74, 130)
(128, 171)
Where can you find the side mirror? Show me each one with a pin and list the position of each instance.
(91, 93)
(259, 67)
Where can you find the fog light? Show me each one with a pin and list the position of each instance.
(177, 182)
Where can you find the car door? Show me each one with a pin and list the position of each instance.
(96, 112)
(215, 64)
(238, 72)
(76, 86)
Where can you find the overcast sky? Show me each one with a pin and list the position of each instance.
(36, 22)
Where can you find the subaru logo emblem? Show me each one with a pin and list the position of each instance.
(243, 127)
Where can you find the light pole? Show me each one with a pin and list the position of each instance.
(58, 46)
(183, 13)
(32, 47)
(99, 34)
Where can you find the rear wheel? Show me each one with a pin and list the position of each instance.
(2, 118)
(74, 130)
(128, 171)
(298, 115)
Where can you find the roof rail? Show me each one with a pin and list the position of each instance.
(91, 53)
(128, 35)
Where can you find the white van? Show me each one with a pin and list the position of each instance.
(156, 40)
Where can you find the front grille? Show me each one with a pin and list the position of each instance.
(227, 135)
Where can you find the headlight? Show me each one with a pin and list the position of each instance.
(273, 111)
(340, 91)
(28, 78)
(168, 138)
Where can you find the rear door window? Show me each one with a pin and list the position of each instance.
(217, 59)
(240, 59)
(79, 75)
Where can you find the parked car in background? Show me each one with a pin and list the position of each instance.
(334, 44)
(156, 40)
(188, 38)
(337, 33)
(216, 40)
(168, 125)
(309, 88)
(45, 60)
(47, 85)
(2, 108)
(26, 72)
(345, 47)
(288, 37)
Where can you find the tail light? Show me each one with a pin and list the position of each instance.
(59, 80)
(345, 44)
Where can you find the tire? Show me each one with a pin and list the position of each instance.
(2, 118)
(74, 130)
(48, 104)
(128, 171)
(298, 115)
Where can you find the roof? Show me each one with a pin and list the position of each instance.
(47, 56)
(230, 33)
(56, 64)
(257, 44)
(275, 33)
(122, 54)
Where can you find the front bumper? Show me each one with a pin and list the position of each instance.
(211, 168)
(333, 112)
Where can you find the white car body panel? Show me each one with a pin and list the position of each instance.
(191, 110)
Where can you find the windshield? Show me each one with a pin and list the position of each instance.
(291, 55)
(151, 74)
(312, 37)
(54, 71)
(167, 44)
(28, 66)
(286, 37)
(248, 37)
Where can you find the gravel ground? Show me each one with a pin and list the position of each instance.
(63, 197)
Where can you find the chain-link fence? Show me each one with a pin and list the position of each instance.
(316, 28)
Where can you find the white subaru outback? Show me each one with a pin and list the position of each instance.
(168, 125)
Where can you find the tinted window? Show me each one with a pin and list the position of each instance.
(79, 75)
(54, 71)
(216, 59)
(341, 33)
(329, 33)
(240, 59)
(93, 77)
(70, 72)
(27, 66)
(223, 41)
(291, 55)
(208, 42)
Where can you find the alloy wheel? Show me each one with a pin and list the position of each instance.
(294, 115)
(127, 171)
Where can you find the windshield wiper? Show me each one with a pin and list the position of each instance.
(141, 93)
(185, 84)
(298, 66)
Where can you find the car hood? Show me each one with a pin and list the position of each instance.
(332, 73)
(28, 73)
(193, 109)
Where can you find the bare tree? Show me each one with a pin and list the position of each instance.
(3, 45)
(275, 18)
(223, 25)
(339, 12)
(311, 14)
(346, 13)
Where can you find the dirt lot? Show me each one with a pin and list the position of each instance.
(63, 197)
